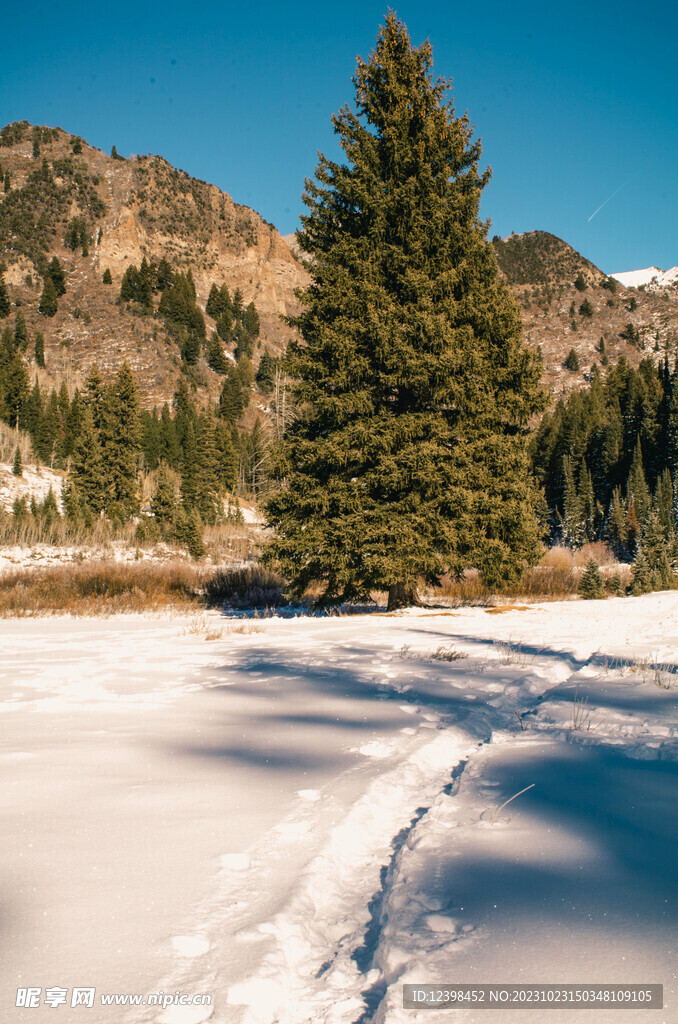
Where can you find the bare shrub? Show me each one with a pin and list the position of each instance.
(253, 587)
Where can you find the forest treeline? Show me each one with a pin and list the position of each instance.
(202, 458)
(607, 458)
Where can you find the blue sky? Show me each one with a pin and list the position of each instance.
(572, 101)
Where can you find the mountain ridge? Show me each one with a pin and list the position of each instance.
(143, 208)
(133, 209)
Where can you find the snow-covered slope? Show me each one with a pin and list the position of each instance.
(652, 277)
(33, 483)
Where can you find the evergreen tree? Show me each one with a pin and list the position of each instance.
(663, 503)
(20, 332)
(76, 512)
(587, 503)
(660, 553)
(189, 531)
(641, 575)
(94, 395)
(256, 458)
(207, 472)
(233, 398)
(49, 509)
(214, 307)
(616, 530)
(243, 343)
(216, 358)
(48, 300)
(122, 445)
(637, 490)
(190, 347)
(56, 272)
(6, 346)
(224, 325)
(591, 583)
(408, 458)
(87, 468)
(169, 449)
(145, 286)
(572, 361)
(5, 304)
(265, 376)
(227, 465)
(226, 301)
(40, 350)
(246, 375)
(107, 278)
(573, 526)
(163, 276)
(17, 465)
(16, 390)
(189, 470)
(177, 306)
(76, 234)
(164, 502)
(250, 321)
(33, 410)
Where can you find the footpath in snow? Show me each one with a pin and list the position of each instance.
(300, 816)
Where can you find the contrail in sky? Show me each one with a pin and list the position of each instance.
(607, 201)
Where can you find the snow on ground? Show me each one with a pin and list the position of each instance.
(652, 277)
(301, 815)
(39, 556)
(34, 482)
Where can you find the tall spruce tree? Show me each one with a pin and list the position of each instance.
(48, 304)
(407, 458)
(122, 440)
(5, 304)
(87, 468)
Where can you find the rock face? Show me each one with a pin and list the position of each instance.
(592, 316)
(143, 207)
(135, 208)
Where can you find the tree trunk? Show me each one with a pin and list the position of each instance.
(401, 596)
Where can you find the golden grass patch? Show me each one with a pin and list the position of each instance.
(501, 608)
(100, 588)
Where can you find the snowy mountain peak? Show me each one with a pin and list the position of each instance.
(652, 277)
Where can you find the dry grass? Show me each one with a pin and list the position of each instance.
(556, 577)
(60, 532)
(446, 652)
(501, 608)
(100, 588)
(543, 582)
(9, 440)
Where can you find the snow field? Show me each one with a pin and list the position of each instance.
(321, 811)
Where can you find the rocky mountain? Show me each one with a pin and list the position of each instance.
(100, 214)
(125, 210)
(568, 303)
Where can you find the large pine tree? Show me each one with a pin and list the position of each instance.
(407, 458)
